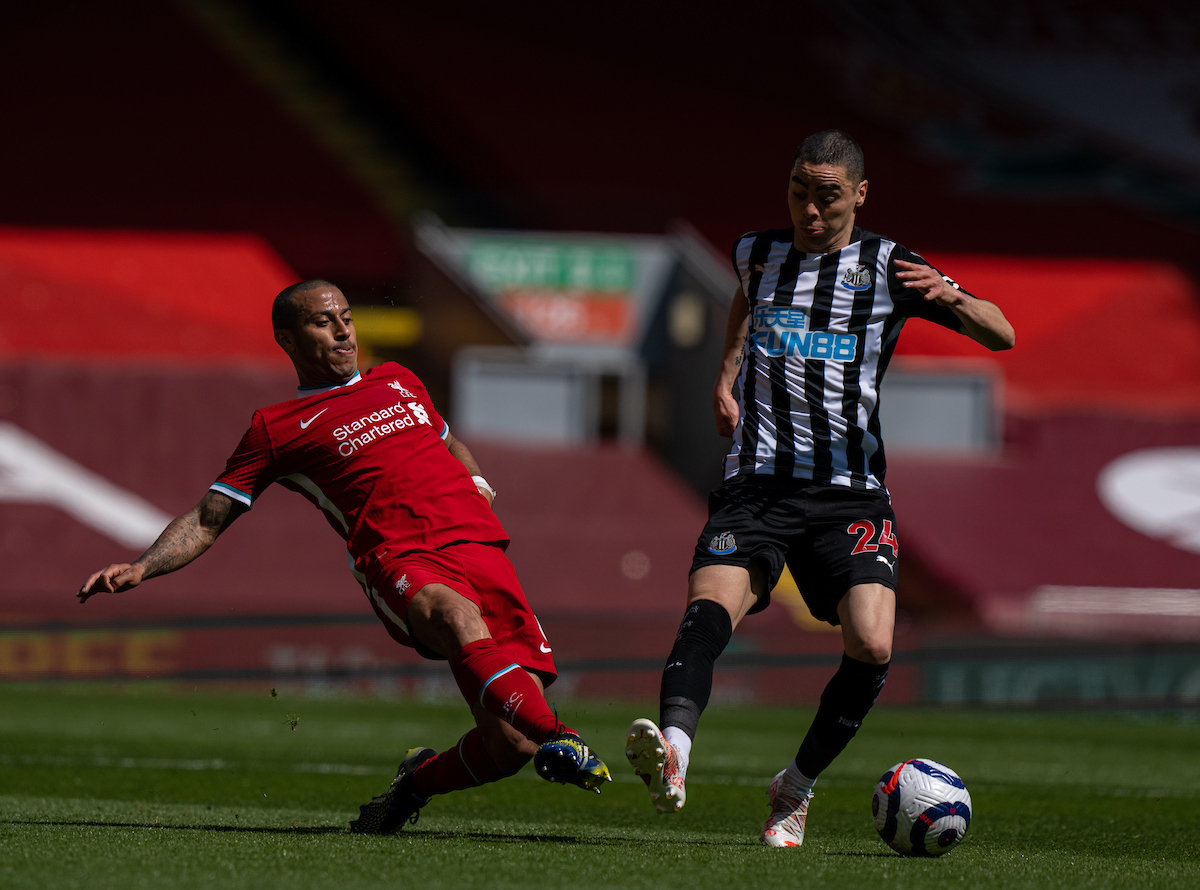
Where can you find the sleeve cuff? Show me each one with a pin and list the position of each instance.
(230, 492)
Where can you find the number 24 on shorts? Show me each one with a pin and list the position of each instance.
(866, 540)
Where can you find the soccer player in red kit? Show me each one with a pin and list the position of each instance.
(372, 453)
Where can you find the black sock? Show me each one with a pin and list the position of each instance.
(844, 704)
(687, 677)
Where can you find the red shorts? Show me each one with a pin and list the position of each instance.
(481, 573)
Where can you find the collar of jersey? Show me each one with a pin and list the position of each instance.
(317, 390)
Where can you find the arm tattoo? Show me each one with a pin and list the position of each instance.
(189, 535)
(178, 545)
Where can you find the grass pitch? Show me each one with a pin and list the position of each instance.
(105, 789)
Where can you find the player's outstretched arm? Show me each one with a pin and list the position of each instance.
(725, 406)
(185, 538)
(982, 321)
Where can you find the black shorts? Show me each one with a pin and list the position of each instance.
(830, 536)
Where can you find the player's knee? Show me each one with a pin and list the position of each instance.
(873, 649)
(453, 621)
(879, 652)
(448, 615)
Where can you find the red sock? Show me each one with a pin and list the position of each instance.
(466, 765)
(488, 676)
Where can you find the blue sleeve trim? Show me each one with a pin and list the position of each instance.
(445, 430)
(229, 491)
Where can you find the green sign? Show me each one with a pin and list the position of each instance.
(502, 264)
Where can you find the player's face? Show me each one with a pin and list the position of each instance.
(323, 345)
(823, 201)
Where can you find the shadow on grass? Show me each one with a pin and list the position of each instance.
(600, 841)
(250, 829)
(486, 836)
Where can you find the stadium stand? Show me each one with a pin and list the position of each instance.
(678, 122)
(154, 137)
(131, 117)
(139, 297)
(589, 131)
(1087, 328)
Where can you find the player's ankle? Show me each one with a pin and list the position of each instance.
(796, 782)
(682, 743)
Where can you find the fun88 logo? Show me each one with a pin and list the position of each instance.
(781, 332)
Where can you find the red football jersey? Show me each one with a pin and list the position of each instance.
(371, 455)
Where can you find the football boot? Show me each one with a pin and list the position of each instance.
(785, 826)
(387, 813)
(565, 759)
(657, 762)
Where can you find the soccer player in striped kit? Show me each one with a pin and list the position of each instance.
(372, 453)
(810, 333)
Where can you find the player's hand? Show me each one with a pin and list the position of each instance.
(725, 409)
(485, 490)
(932, 285)
(114, 579)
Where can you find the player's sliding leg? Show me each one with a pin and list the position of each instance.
(488, 678)
(453, 626)
(867, 614)
(492, 750)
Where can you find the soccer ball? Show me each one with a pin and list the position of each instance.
(921, 808)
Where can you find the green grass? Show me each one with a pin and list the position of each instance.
(150, 788)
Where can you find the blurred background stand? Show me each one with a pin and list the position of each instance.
(531, 207)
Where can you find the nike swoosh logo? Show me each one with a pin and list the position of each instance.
(545, 648)
(304, 423)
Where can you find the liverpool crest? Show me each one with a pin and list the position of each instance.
(395, 384)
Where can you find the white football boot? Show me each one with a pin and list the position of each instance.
(785, 827)
(657, 762)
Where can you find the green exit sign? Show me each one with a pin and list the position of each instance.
(502, 264)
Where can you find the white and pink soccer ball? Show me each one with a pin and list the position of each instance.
(921, 808)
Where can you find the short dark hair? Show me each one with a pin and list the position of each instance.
(835, 148)
(284, 311)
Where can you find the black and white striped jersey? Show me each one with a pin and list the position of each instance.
(822, 330)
